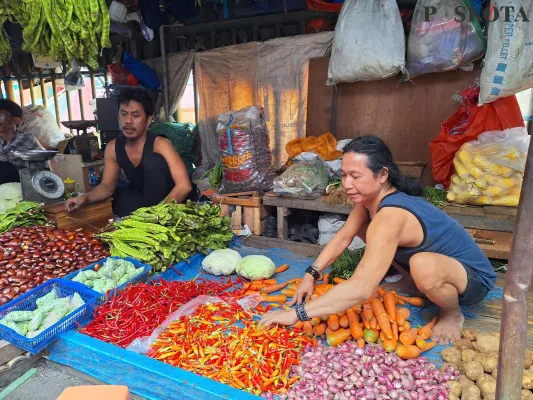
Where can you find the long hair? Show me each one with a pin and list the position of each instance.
(380, 156)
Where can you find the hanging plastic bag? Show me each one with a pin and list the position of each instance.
(74, 78)
(304, 180)
(489, 170)
(369, 42)
(508, 65)
(142, 345)
(466, 124)
(142, 72)
(440, 42)
(245, 151)
(42, 124)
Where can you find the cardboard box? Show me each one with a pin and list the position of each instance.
(72, 166)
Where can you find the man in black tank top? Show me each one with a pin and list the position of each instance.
(153, 168)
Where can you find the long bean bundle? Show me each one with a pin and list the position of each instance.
(167, 233)
(62, 29)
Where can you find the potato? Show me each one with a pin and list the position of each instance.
(528, 360)
(464, 381)
(463, 344)
(461, 367)
(471, 392)
(474, 370)
(456, 387)
(451, 355)
(490, 363)
(490, 396)
(451, 396)
(494, 374)
(487, 385)
(469, 334)
(526, 395)
(468, 355)
(527, 380)
(487, 343)
(445, 366)
(496, 334)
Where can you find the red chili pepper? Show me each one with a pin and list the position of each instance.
(139, 309)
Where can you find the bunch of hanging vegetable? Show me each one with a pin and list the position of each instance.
(165, 234)
(25, 213)
(61, 29)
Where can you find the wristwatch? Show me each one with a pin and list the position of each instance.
(314, 271)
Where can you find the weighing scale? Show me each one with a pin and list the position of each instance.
(82, 143)
(38, 183)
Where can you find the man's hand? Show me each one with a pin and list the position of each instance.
(304, 291)
(281, 317)
(74, 203)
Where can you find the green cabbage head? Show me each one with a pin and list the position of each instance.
(221, 262)
(256, 267)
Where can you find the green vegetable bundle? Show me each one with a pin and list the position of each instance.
(50, 310)
(168, 233)
(435, 196)
(345, 265)
(61, 29)
(25, 213)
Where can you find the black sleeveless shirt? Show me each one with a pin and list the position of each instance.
(134, 174)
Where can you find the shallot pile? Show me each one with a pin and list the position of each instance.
(347, 372)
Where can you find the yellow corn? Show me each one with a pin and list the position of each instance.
(483, 163)
(464, 156)
(460, 169)
(509, 200)
(494, 190)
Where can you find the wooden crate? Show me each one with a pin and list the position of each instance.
(244, 208)
(92, 217)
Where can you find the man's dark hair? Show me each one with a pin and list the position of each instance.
(139, 95)
(11, 107)
(380, 156)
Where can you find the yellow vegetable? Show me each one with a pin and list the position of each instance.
(460, 169)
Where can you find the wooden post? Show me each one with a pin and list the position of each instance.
(513, 329)
(283, 224)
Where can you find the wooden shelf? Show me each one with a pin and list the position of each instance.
(491, 226)
(319, 205)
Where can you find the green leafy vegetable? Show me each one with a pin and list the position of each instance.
(435, 196)
(345, 265)
(168, 233)
(24, 214)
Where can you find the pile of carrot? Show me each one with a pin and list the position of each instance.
(379, 319)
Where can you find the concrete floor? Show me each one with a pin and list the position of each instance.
(50, 381)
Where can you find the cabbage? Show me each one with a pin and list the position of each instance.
(256, 267)
(10, 196)
(10, 191)
(221, 262)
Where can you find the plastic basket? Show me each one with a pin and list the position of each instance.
(27, 302)
(102, 296)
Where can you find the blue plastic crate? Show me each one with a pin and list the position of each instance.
(102, 297)
(27, 302)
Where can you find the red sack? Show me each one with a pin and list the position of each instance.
(465, 125)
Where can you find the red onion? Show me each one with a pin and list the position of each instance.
(348, 372)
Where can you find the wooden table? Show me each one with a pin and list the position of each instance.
(91, 217)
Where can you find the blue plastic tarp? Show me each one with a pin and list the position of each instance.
(156, 380)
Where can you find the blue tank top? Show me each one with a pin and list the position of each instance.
(442, 235)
